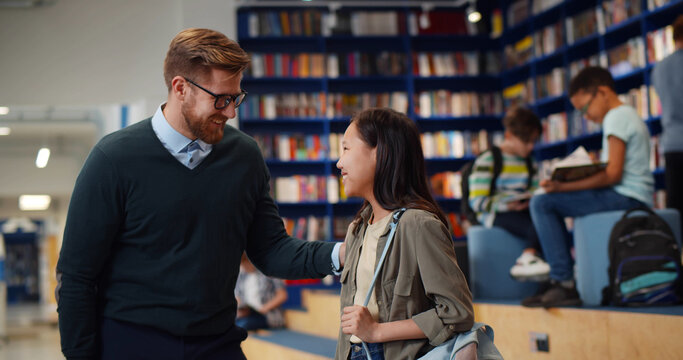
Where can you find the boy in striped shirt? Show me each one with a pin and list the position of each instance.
(508, 207)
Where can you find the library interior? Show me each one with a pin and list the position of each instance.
(523, 110)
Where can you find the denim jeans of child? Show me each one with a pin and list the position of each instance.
(548, 212)
(358, 353)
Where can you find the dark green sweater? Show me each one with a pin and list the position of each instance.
(151, 242)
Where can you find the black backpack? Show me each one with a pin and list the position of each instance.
(465, 171)
(644, 262)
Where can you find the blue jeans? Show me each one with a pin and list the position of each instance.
(548, 212)
(358, 353)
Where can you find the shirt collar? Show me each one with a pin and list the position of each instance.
(172, 139)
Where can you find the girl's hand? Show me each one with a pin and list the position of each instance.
(356, 320)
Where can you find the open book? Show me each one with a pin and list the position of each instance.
(575, 166)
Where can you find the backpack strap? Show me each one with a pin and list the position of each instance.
(642, 207)
(497, 168)
(531, 170)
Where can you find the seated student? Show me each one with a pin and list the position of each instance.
(625, 183)
(258, 298)
(421, 298)
(522, 129)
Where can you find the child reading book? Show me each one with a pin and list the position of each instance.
(625, 182)
(508, 207)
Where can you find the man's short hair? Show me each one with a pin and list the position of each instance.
(678, 28)
(194, 51)
(589, 79)
(522, 123)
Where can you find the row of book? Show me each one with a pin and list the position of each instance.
(660, 44)
(653, 4)
(293, 147)
(301, 65)
(384, 63)
(448, 103)
(314, 22)
(305, 188)
(518, 53)
(640, 98)
(470, 63)
(621, 59)
(339, 105)
(554, 128)
(272, 106)
(367, 23)
(309, 228)
(517, 12)
(366, 64)
(447, 184)
(285, 23)
(519, 94)
(549, 39)
(541, 5)
(551, 84)
(317, 65)
(617, 11)
(458, 144)
(626, 57)
(656, 155)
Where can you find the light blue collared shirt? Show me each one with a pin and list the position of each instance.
(192, 152)
(189, 152)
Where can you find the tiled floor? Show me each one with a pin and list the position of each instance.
(29, 336)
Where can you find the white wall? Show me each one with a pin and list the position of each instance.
(79, 52)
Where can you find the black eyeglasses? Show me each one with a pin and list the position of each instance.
(584, 109)
(222, 100)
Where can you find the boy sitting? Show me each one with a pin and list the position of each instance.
(508, 207)
(625, 183)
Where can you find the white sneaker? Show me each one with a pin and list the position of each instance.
(530, 267)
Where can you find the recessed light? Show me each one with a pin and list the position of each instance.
(34, 202)
(4, 131)
(42, 158)
(4, 110)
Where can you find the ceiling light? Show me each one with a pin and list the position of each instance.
(42, 158)
(4, 130)
(4, 110)
(34, 202)
(473, 15)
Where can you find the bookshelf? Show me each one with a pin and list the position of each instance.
(364, 65)
(563, 36)
(339, 69)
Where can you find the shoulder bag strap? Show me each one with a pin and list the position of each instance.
(392, 232)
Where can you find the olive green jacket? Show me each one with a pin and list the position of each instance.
(420, 280)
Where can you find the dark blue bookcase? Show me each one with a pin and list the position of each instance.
(636, 26)
(408, 83)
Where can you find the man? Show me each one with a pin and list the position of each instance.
(625, 183)
(668, 81)
(161, 214)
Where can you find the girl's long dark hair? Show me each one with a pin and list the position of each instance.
(400, 175)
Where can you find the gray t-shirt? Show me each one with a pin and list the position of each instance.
(667, 78)
(636, 180)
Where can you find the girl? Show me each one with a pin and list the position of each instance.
(421, 297)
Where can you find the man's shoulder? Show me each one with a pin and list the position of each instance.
(120, 139)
